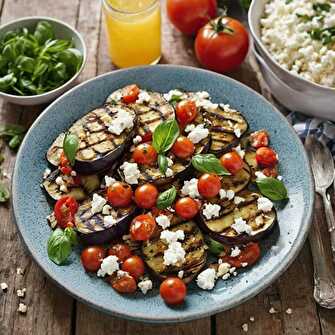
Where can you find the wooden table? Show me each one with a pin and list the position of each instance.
(50, 310)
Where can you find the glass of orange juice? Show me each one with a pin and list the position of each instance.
(133, 31)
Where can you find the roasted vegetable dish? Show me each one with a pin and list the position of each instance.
(162, 188)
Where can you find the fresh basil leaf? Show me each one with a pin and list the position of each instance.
(175, 99)
(7, 81)
(72, 235)
(272, 188)
(165, 135)
(72, 58)
(208, 163)
(166, 198)
(162, 163)
(9, 35)
(9, 52)
(27, 85)
(320, 7)
(70, 147)
(10, 129)
(15, 142)
(59, 247)
(43, 32)
(25, 64)
(214, 247)
(59, 72)
(4, 193)
(40, 68)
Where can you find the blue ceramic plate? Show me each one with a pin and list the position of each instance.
(279, 249)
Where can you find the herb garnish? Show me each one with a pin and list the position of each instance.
(70, 147)
(166, 198)
(208, 163)
(272, 188)
(326, 35)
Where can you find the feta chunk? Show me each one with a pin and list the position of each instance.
(169, 161)
(98, 203)
(211, 211)
(189, 127)
(180, 274)
(145, 285)
(237, 131)
(143, 97)
(264, 204)
(238, 200)
(206, 279)
(137, 139)
(106, 210)
(163, 221)
(241, 226)
(59, 181)
(109, 181)
(109, 221)
(46, 173)
(260, 175)
(240, 152)
(21, 293)
(115, 96)
(172, 236)
(131, 172)
(230, 194)
(173, 93)
(121, 121)
(198, 134)
(235, 251)
(174, 254)
(169, 172)
(190, 188)
(223, 269)
(108, 266)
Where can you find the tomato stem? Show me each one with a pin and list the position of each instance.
(220, 26)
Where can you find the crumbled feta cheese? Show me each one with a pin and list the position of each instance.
(211, 211)
(289, 311)
(245, 327)
(260, 175)
(63, 188)
(173, 93)
(235, 273)
(115, 96)
(169, 161)
(227, 108)
(4, 286)
(73, 173)
(232, 269)
(181, 274)
(172, 236)
(241, 226)
(163, 221)
(109, 221)
(106, 210)
(189, 127)
(238, 200)
(169, 172)
(230, 194)
(237, 131)
(121, 120)
(98, 203)
(223, 269)
(206, 279)
(190, 188)
(131, 172)
(198, 133)
(264, 204)
(174, 254)
(59, 181)
(145, 285)
(109, 181)
(223, 194)
(46, 173)
(272, 310)
(240, 152)
(144, 96)
(137, 139)
(280, 178)
(252, 318)
(21, 293)
(235, 251)
(108, 266)
(244, 264)
(22, 308)
(202, 95)
(19, 271)
(225, 276)
(121, 274)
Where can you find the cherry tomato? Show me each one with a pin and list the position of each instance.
(209, 185)
(186, 112)
(134, 265)
(65, 209)
(249, 254)
(130, 94)
(259, 139)
(125, 284)
(183, 147)
(270, 172)
(222, 44)
(232, 161)
(173, 291)
(92, 257)
(189, 16)
(266, 157)
(145, 154)
(187, 208)
(147, 137)
(64, 164)
(119, 194)
(120, 250)
(146, 196)
(142, 227)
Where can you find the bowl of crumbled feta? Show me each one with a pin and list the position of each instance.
(295, 40)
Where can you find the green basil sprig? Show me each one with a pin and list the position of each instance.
(162, 163)
(13, 134)
(4, 193)
(272, 188)
(60, 245)
(70, 147)
(214, 247)
(208, 163)
(166, 198)
(165, 135)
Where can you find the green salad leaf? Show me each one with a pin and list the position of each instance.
(165, 135)
(162, 163)
(272, 188)
(208, 163)
(166, 198)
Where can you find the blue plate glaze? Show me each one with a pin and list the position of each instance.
(279, 249)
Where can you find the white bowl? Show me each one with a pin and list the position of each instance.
(63, 31)
(291, 90)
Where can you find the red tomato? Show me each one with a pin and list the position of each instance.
(145, 154)
(142, 227)
(65, 209)
(232, 161)
(146, 196)
(259, 139)
(186, 112)
(222, 44)
(125, 284)
(92, 257)
(119, 194)
(270, 172)
(173, 291)
(183, 148)
(189, 16)
(64, 164)
(209, 185)
(266, 157)
(147, 137)
(187, 208)
(120, 250)
(249, 254)
(134, 265)
(130, 94)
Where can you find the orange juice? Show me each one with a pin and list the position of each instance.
(133, 31)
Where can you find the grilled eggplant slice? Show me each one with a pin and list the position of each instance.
(239, 181)
(98, 147)
(220, 228)
(193, 244)
(92, 228)
(250, 158)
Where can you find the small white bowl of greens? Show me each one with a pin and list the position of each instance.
(40, 59)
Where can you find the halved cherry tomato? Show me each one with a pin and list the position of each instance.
(142, 227)
(259, 139)
(146, 195)
(270, 172)
(186, 112)
(124, 284)
(130, 94)
(187, 208)
(145, 154)
(120, 250)
(64, 164)
(232, 161)
(249, 254)
(147, 137)
(92, 257)
(134, 265)
(119, 194)
(209, 185)
(173, 291)
(183, 147)
(266, 157)
(65, 209)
